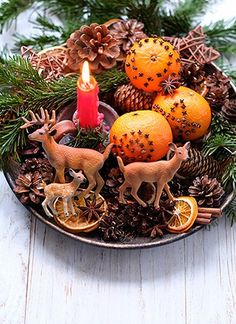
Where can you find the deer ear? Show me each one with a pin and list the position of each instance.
(53, 132)
(187, 145)
(172, 147)
(71, 172)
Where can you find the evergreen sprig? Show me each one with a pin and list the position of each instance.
(230, 212)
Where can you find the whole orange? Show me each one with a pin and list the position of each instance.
(142, 135)
(187, 112)
(150, 61)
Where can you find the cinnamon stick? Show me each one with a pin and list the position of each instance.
(202, 221)
(204, 215)
(217, 212)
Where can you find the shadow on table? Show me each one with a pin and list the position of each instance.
(109, 265)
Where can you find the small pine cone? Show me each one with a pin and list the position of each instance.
(9, 115)
(197, 165)
(207, 191)
(192, 75)
(128, 98)
(127, 33)
(29, 187)
(95, 44)
(218, 89)
(229, 110)
(41, 165)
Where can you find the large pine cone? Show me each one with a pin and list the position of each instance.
(207, 191)
(128, 98)
(127, 33)
(95, 44)
(229, 110)
(198, 165)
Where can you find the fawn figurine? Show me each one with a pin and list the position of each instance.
(159, 172)
(61, 156)
(66, 191)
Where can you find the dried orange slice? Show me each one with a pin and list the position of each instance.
(184, 214)
(80, 222)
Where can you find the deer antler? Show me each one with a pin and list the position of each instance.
(44, 119)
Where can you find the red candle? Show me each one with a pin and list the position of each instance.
(87, 99)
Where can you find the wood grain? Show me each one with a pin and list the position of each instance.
(14, 255)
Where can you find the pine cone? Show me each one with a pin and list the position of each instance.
(229, 110)
(41, 165)
(127, 33)
(218, 89)
(5, 117)
(193, 75)
(198, 165)
(95, 44)
(128, 98)
(207, 191)
(29, 187)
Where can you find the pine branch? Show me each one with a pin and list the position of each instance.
(180, 20)
(222, 36)
(230, 212)
(10, 9)
(12, 139)
(229, 176)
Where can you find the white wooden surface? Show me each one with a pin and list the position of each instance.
(46, 278)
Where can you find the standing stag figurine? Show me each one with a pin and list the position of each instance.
(160, 172)
(66, 191)
(62, 156)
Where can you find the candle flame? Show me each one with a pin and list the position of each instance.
(85, 73)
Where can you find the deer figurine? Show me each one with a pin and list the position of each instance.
(159, 172)
(61, 156)
(66, 191)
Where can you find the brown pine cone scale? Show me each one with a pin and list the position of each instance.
(208, 192)
(199, 165)
(128, 98)
(94, 44)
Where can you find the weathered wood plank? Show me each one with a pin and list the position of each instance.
(210, 275)
(14, 255)
(74, 282)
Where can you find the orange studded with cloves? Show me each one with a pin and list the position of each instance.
(151, 61)
(187, 112)
(142, 135)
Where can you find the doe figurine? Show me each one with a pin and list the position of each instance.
(159, 172)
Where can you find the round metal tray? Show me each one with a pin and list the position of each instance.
(93, 238)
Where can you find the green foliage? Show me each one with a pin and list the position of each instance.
(222, 36)
(183, 17)
(10, 9)
(92, 138)
(230, 212)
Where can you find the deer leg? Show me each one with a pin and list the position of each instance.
(72, 209)
(60, 176)
(65, 206)
(45, 207)
(167, 189)
(91, 184)
(122, 189)
(158, 196)
(100, 183)
(134, 191)
(51, 206)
